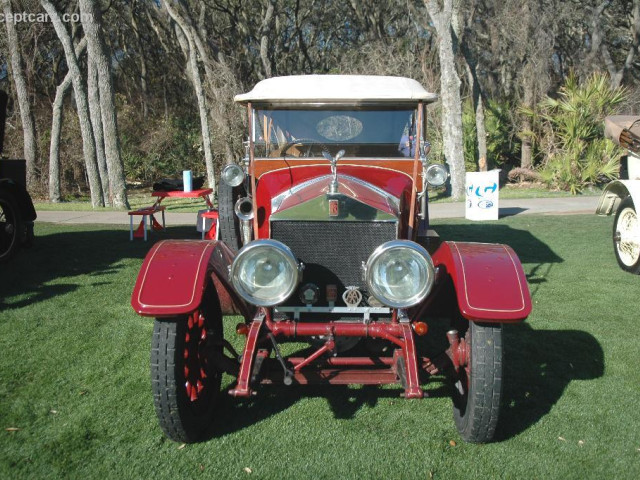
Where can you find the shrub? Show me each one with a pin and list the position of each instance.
(469, 137)
(503, 147)
(570, 134)
(154, 148)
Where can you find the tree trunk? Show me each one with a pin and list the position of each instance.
(596, 34)
(481, 132)
(189, 48)
(92, 25)
(144, 94)
(96, 121)
(204, 115)
(265, 31)
(214, 73)
(165, 98)
(526, 154)
(617, 74)
(450, 93)
(88, 142)
(26, 115)
(57, 118)
(478, 107)
(54, 146)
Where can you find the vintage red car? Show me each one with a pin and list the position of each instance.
(325, 240)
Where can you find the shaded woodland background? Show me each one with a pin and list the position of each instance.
(113, 93)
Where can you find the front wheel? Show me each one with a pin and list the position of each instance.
(184, 379)
(10, 225)
(230, 226)
(626, 237)
(478, 388)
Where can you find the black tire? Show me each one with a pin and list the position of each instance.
(477, 392)
(184, 380)
(230, 228)
(10, 225)
(627, 252)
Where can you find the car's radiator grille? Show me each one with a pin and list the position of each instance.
(332, 252)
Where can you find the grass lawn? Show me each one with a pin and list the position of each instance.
(75, 396)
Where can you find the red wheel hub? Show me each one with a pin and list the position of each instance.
(195, 356)
(458, 351)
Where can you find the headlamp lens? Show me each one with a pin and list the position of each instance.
(265, 273)
(400, 274)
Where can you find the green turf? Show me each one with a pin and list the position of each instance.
(74, 377)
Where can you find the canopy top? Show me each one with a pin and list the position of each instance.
(337, 89)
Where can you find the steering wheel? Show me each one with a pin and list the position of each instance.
(301, 142)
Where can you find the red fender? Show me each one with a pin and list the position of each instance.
(489, 281)
(173, 275)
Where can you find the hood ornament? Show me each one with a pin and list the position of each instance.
(333, 186)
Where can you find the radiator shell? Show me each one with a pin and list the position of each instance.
(332, 252)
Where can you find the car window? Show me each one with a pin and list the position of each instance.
(373, 133)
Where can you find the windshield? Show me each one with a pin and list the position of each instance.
(372, 133)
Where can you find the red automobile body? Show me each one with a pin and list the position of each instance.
(489, 281)
(332, 213)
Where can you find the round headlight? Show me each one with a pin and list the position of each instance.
(265, 273)
(232, 175)
(436, 175)
(400, 273)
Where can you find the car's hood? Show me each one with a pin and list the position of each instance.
(357, 200)
(363, 194)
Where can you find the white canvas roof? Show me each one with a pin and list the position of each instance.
(337, 89)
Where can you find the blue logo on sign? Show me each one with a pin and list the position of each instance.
(480, 190)
(491, 188)
(485, 204)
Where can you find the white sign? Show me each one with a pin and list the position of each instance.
(482, 195)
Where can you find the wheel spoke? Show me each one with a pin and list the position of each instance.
(195, 369)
